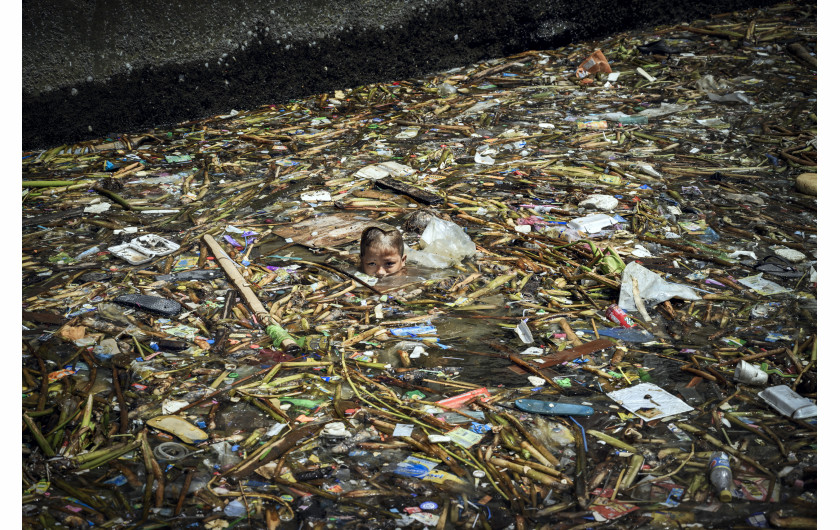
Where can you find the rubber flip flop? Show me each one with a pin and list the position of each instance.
(657, 47)
(783, 269)
(151, 304)
(95, 276)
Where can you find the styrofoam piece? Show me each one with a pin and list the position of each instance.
(154, 245)
(144, 248)
(788, 403)
(129, 254)
(385, 169)
(793, 256)
(605, 203)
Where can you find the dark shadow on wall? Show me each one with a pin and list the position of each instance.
(266, 73)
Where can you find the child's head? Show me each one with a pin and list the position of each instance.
(381, 253)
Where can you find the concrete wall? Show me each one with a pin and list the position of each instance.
(95, 67)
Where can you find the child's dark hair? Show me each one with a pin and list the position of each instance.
(375, 237)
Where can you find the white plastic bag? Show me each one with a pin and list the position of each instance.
(443, 243)
(605, 203)
(652, 288)
(663, 110)
(592, 223)
(385, 169)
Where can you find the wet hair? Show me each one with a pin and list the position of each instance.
(374, 237)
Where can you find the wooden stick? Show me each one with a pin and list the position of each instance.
(570, 333)
(36, 432)
(723, 447)
(637, 298)
(184, 489)
(236, 278)
(531, 438)
(752, 357)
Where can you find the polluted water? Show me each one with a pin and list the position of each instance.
(607, 315)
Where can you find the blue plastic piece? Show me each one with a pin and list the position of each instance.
(625, 334)
(553, 408)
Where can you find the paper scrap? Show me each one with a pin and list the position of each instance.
(649, 402)
(464, 438)
(403, 429)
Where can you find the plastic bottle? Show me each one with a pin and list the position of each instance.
(720, 475)
(633, 120)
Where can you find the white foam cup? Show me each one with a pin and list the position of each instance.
(750, 374)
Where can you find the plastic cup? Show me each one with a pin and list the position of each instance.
(593, 64)
(750, 374)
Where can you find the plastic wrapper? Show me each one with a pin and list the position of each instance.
(444, 243)
(652, 288)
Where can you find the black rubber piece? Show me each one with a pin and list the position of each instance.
(95, 277)
(781, 268)
(172, 345)
(151, 304)
(657, 47)
(415, 193)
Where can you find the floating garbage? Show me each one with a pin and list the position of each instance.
(608, 315)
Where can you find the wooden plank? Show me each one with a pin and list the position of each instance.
(328, 230)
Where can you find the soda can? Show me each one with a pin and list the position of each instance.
(619, 316)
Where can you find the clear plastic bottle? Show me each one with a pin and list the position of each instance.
(624, 119)
(634, 119)
(720, 475)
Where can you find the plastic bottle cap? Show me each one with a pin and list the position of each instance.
(725, 495)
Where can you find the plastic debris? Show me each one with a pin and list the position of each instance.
(200, 349)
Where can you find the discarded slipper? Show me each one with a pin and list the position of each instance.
(658, 48)
(783, 269)
(151, 304)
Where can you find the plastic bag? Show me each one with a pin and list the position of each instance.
(762, 286)
(592, 224)
(652, 288)
(443, 244)
(524, 333)
(712, 88)
(663, 110)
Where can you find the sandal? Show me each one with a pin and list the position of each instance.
(782, 269)
(150, 304)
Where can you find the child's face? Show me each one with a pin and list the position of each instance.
(382, 262)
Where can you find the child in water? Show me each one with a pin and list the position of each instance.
(381, 253)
